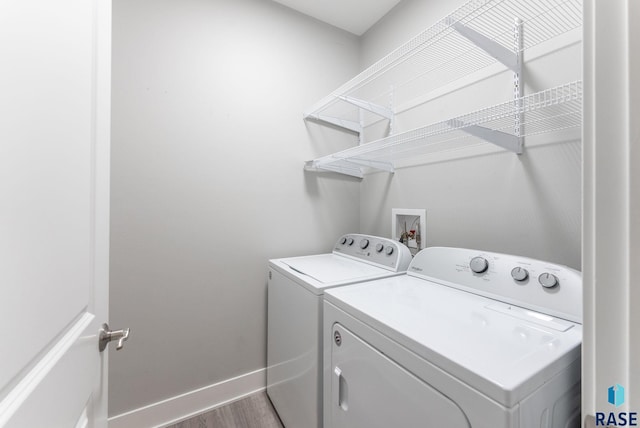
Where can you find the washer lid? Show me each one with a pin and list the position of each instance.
(331, 268)
(322, 271)
(503, 351)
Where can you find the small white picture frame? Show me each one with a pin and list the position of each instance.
(409, 226)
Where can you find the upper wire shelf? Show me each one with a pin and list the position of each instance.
(443, 53)
(546, 111)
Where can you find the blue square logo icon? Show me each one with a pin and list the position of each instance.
(616, 395)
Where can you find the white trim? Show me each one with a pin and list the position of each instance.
(611, 196)
(97, 412)
(184, 406)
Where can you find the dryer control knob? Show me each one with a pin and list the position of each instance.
(548, 280)
(364, 243)
(479, 264)
(343, 240)
(389, 250)
(379, 248)
(349, 241)
(519, 274)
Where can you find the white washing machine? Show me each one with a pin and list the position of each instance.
(465, 339)
(294, 332)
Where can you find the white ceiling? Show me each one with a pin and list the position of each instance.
(355, 16)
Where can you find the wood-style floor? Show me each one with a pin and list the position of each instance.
(254, 411)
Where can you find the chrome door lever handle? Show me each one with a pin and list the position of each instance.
(106, 335)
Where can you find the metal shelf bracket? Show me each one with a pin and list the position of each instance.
(369, 106)
(336, 121)
(385, 166)
(496, 50)
(352, 171)
(513, 60)
(503, 139)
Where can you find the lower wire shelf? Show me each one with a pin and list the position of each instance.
(504, 124)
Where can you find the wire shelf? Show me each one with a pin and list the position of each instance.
(550, 110)
(440, 54)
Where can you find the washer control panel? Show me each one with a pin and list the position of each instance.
(534, 284)
(375, 250)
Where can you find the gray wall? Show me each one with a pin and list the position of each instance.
(495, 200)
(207, 182)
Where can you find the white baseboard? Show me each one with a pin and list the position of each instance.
(175, 409)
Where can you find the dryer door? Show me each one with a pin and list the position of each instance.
(368, 390)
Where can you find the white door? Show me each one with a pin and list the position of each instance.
(54, 211)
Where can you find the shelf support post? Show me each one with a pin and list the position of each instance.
(518, 84)
(392, 121)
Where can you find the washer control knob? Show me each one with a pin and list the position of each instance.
(548, 280)
(519, 274)
(349, 241)
(364, 243)
(389, 250)
(379, 247)
(343, 240)
(479, 264)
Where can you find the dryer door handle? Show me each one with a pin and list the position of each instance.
(343, 389)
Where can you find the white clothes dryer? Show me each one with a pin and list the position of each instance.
(465, 339)
(294, 333)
